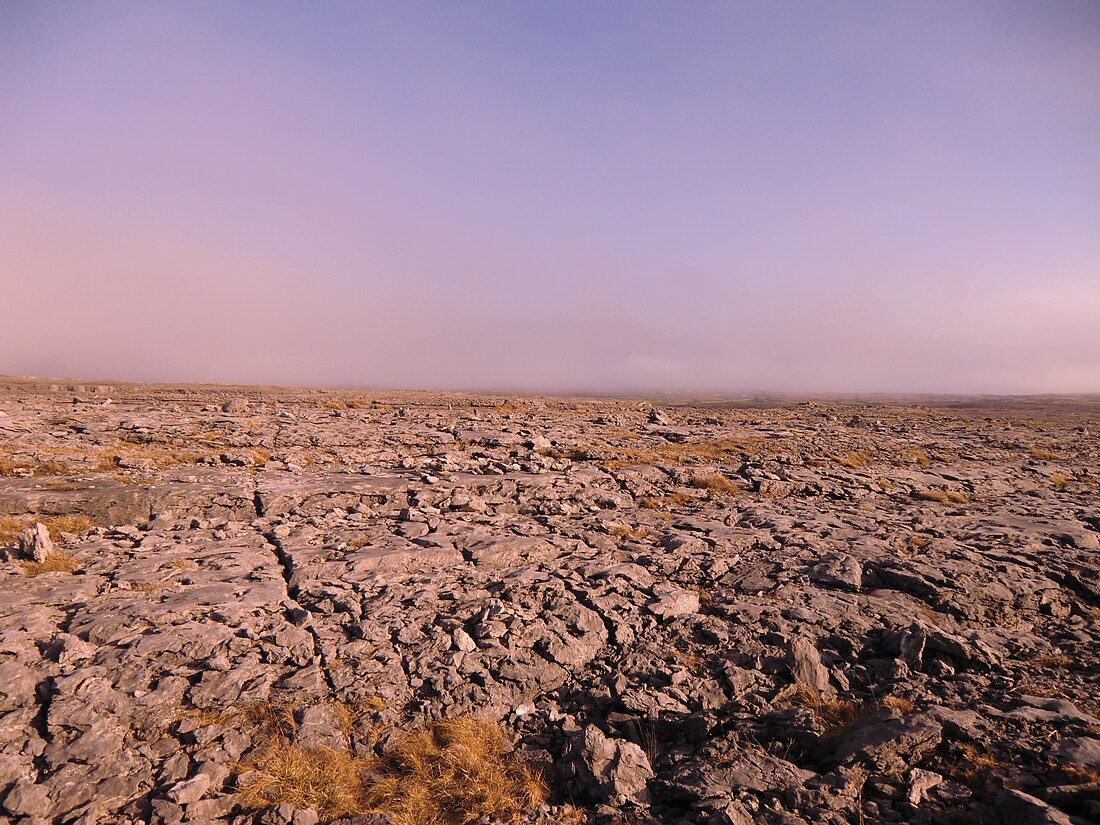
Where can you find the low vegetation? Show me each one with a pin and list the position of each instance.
(942, 496)
(716, 484)
(1039, 454)
(839, 716)
(449, 772)
(11, 527)
(12, 467)
(54, 563)
(453, 771)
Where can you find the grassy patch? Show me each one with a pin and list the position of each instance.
(974, 767)
(623, 531)
(450, 772)
(1040, 454)
(942, 496)
(710, 451)
(853, 460)
(77, 523)
(158, 456)
(328, 781)
(839, 716)
(54, 563)
(716, 484)
(453, 771)
(918, 541)
(10, 467)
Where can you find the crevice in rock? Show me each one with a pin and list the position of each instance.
(43, 694)
(287, 566)
(586, 601)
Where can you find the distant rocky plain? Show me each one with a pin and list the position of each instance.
(726, 611)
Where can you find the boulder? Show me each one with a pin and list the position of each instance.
(34, 542)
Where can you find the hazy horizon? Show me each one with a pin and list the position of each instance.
(644, 198)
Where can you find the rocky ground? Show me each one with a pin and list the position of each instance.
(731, 613)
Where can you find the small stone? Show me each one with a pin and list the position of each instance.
(920, 783)
(807, 668)
(27, 798)
(463, 641)
(673, 601)
(613, 770)
(838, 570)
(190, 790)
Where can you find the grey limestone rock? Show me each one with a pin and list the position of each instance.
(611, 770)
(35, 543)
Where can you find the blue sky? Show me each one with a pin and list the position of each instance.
(604, 197)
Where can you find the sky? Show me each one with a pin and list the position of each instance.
(710, 197)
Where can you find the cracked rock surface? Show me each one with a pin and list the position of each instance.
(738, 612)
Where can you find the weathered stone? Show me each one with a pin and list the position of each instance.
(611, 770)
(806, 667)
(35, 543)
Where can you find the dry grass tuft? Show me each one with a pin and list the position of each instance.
(454, 771)
(54, 563)
(147, 587)
(942, 496)
(974, 767)
(1053, 660)
(328, 781)
(451, 772)
(839, 716)
(1040, 454)
(676, 499)
(916, 457)
(159, 456)
(715, 484)
(836, 716)
(902, 706)
(10, 467)
(1075, 774)
(622, 531)
(76, 524)
(853, 460)
(690, 660)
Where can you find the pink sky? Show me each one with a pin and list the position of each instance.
(612, 197)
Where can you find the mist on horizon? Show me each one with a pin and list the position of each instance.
(843, 197)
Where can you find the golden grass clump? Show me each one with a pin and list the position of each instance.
(916, 457)
(162, 456)
(453, 772)
(328, 781)
(76, 523)
(623, 531)
(942, 496)
(853, 460)
(54, 563)
(839, 716)
(715, 483)
(1040, 454)
(674, 499)
(10, 467)
(974, 766)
